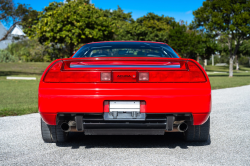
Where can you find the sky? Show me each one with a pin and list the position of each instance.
(179, 9)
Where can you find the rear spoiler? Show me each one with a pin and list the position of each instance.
(97, 71)
(124, 64)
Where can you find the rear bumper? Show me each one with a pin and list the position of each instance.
(197, 119)
(193, 98)
(96, 124)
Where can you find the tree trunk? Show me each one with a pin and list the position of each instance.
(213, 60)
(9, 31)
(204, 64)
(231, 65)
(198, 58)
(232, 56)
(231, 60)
(237, 63)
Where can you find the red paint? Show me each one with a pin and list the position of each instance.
(106, 106)
(81, 89)
(129, 41)
(142, 106)
(49, 118)
(200, 118)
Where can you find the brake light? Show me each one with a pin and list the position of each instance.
(188, 72)
(196, 74)
(193, 74)
(165, 76)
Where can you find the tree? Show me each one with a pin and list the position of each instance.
(6, 10)
(245, 49)
(208, 46)
(121, 22)
(146, 28)
(178, 38)
(231, 17)
(71, 24)
(14, 14)
(224, 50)
(185, 41)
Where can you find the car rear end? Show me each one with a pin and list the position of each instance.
(126, 96)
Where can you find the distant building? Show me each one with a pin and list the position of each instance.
(17, 32)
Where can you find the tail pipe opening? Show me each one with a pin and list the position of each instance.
(182, 127)
(70, 127)
(65, 127)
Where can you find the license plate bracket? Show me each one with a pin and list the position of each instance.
(124, 116)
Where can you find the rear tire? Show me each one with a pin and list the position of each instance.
(53, 133)
(199, 133)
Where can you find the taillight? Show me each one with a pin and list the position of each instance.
(192, 74)
(188, 72)
(196, 74)
(57, 74)
(164, 76)
(53, 75)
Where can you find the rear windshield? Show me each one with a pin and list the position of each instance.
(125, 50)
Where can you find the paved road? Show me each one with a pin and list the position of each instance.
(21, 143)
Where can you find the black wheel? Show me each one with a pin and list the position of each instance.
(198, 133)
(53, 133)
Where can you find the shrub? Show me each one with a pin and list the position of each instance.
(30, 50)
(244, 60)
(5, 56)
(27, 50)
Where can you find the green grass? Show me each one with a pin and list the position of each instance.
(221, 80)
(23, 69)
(19, 97)
(242, 69)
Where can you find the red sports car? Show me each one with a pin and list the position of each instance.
(125, 88)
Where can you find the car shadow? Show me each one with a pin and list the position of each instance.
(169, 140)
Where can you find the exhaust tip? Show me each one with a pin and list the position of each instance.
(65, 127)
(182, 127)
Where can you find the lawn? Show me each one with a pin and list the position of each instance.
(19, 97)
(23, 69)
(220, 78)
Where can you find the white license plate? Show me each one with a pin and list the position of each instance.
(124, 106)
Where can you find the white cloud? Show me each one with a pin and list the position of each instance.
(188, 12)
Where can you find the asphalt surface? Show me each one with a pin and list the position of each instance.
(21, 142)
